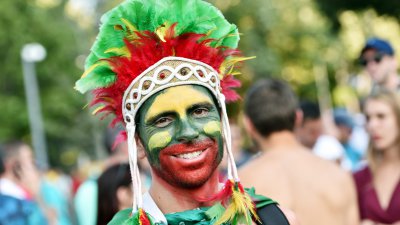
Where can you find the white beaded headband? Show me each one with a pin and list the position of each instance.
(168, 72)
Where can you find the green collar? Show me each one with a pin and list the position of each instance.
(199, 216)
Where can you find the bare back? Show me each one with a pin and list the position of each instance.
(317, 191)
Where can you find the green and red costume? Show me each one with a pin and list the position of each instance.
(146, 47)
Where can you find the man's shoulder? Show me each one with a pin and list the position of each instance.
(263, 164)
(272, 215)
(259, 200)
(323, 166)
(267, 209)
(328, 172)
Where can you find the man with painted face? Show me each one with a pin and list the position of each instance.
(165, 70)
(182, 137)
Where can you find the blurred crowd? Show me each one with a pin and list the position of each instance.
(322, 163)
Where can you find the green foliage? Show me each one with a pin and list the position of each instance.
(333, 8)
(66, 124)
(289, 38)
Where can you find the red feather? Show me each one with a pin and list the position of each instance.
(240, 187)
(121, 137)
(227, 83)
(147, 50)
(223, 196)
(143, 219)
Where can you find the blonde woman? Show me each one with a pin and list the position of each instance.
(378, 184)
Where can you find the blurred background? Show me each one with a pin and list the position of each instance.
(312, 44)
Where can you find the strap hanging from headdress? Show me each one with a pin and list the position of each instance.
(232, 169)
(138, 213)
(132, 151)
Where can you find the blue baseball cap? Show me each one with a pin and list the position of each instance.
(380, 45)
(343, 118)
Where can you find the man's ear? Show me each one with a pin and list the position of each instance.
(249, 126)
(298, 121)
(140, 147)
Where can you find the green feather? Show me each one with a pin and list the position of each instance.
(215, 212)
(122, 217)
(194, 16)
(100, 77)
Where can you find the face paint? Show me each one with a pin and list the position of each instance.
(172, 99)
(213, 127)
(159, 140)
(181, 134)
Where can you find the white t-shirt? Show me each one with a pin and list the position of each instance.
(328, 147)
(7, 187)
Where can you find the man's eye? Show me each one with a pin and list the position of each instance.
(163, 122)
(200, 112)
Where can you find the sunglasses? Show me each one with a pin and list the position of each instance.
(377, 58)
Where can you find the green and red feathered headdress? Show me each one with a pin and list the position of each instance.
(145, 46)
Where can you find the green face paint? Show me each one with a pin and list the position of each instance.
(170, 118)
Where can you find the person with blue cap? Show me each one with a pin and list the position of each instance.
(378, 58)
(353, 157)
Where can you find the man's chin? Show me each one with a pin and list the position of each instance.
(190, 184)
(192, 180)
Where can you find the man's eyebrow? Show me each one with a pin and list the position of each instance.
(161, 114)
(172, 112)
(202, 104)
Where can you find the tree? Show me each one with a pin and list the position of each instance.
(289, 38)
(65, 122)
(333, 8)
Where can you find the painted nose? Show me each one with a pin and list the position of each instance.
(187, 132)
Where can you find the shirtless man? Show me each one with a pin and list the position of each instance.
(317, 191)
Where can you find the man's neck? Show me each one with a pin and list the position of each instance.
(392, 81)
(170, 198)
(280, 140)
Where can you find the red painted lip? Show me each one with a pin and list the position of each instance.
(173, 151)
(184, 148)
(199, 160)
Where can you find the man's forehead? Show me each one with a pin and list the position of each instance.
(369, 52)
(178, 99)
